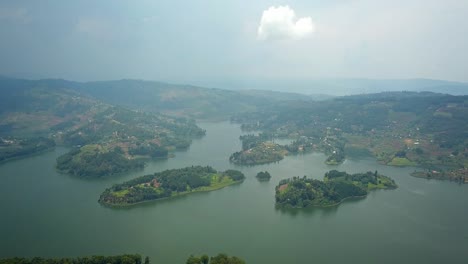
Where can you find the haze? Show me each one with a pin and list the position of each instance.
(234, 44)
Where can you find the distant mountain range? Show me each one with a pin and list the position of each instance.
(213, 103)
(151, 96)
(194, 101)
(342, 86)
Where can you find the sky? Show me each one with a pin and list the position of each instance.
(212, 42)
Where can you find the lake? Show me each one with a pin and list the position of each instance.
(44, 213)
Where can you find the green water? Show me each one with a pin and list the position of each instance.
(43, 213)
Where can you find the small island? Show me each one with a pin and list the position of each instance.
(258, 149)
(336, 187)
(263, 176)
(169, 183)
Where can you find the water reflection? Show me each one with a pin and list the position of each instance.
(314, 210)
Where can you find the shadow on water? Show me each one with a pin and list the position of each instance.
(315, 210)
(103, 178)
(150, 204)
(169, 200)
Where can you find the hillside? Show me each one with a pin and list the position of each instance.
(398, 128)
(106, 139)
(181, 100)
(151, 96)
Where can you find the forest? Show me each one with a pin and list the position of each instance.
(169, 183)
(336, 187)
(258, 149)
(218, 259)
(263, 176)
(92, 161)
(122, 259)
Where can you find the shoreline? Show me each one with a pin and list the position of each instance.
(116, 206)
(335, 204)
(27, 155)
(322, 206)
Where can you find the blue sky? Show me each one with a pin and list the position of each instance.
(212, 41)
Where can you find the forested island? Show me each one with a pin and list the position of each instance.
(169, 183)
(263, 176)
(335, 188)
(257, 149)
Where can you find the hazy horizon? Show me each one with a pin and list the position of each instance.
(214, 44)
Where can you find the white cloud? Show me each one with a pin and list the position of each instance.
(280, 23)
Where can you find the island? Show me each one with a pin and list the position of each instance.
(336, 187)
(169, 183)
(258, 149)
(263, 176)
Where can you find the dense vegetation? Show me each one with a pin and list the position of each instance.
(336, 187)
(169, 183)
(398, 128)
(263, 176)
(11, 148)
(123, 259)
(105, 139)
(257, 149)
(219, 259)
(94, 160)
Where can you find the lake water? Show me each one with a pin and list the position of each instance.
(43, 213)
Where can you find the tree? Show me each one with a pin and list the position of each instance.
(147, 260)
(225, 259)
(204, 259)
(193, 260)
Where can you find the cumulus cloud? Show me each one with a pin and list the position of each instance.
(281, 23)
